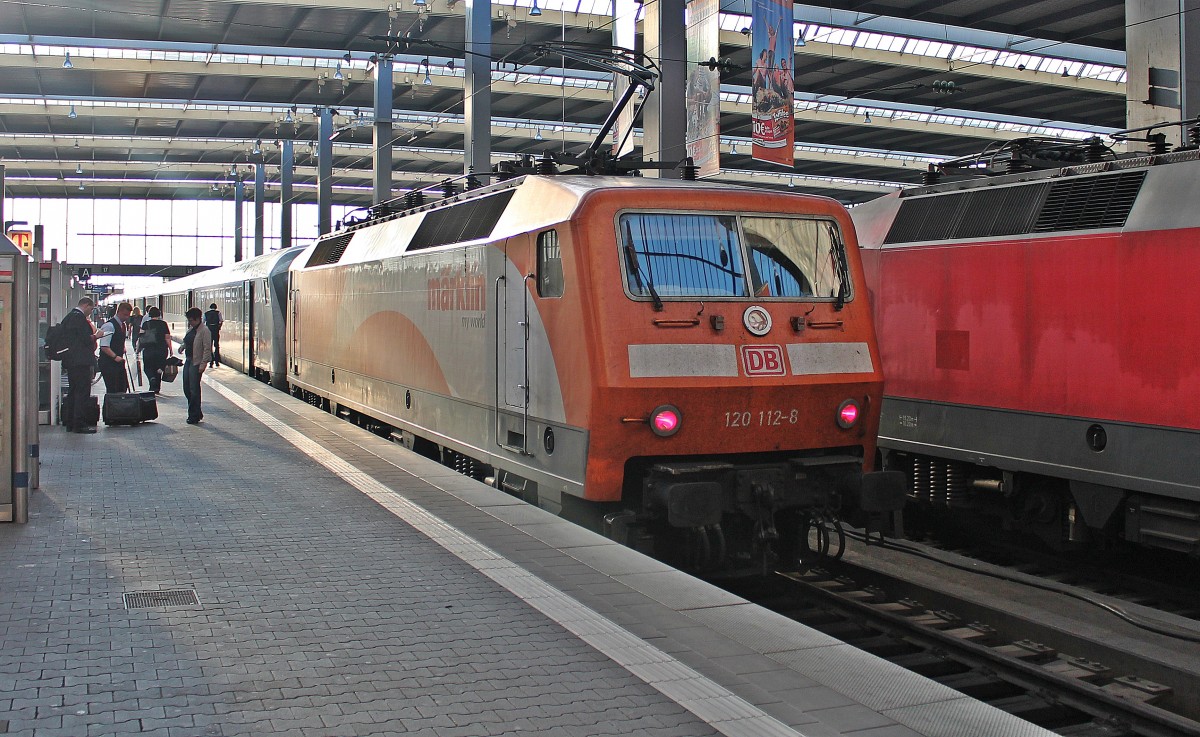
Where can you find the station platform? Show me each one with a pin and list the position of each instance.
(275, 570)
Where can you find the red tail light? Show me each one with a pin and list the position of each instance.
(847, 414)
(664, 420)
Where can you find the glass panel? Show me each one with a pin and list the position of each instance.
(790, 257)
(550, 273)
(679, 255)
(79, 221)
(132, 231)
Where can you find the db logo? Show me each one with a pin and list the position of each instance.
(763, 360)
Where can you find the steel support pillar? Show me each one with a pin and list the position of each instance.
(35, 369)
(239, 196)
(477, 89)
(324, 171)
(383, 129)
(22, 330)
(287, 167)
(260, 197)
(664, 119)
(1162, 41)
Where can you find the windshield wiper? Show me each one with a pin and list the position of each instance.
(843, 268)
(631, 262)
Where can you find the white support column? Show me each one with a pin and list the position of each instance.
(1162, 39)
(383, 129)
(239, 197)
(260, 195)
(287, 167)
(477, 88)
(664, 122)
(324, 171)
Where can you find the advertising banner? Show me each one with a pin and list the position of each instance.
(624, 36)
(772, 83)
(703, 96)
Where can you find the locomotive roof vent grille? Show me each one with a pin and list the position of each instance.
(329, 251)
(1090, 202)
(977, 213)
(1075, 203)
(465, 221)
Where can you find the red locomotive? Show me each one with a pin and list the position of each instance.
(1039, 337)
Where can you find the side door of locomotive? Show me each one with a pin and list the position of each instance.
(512, 344)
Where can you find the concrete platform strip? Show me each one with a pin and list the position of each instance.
(717, 706)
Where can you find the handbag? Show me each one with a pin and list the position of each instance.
(170, 371)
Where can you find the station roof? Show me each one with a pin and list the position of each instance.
(162, 97)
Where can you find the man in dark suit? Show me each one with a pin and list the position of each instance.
(80, 365)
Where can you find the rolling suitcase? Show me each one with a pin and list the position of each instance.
(129, 408)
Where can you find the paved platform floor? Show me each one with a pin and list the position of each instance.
(347, 587)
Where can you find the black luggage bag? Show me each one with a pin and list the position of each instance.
(91, 416)
(130, 408)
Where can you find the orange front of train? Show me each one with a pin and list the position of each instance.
(719, 348)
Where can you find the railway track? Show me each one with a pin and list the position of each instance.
(1167, 584)
(1072, 687)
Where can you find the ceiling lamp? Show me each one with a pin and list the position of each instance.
(67, 61)
(79, 168)
(257, 147)
(419, 3)
(535, 10)
(800, 38)
(425, 63)
(337, 74)
(538, 137)
(81, 186)
(72, 115)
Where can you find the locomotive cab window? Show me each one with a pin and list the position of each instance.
(681, 255)
(790, 257)
(550, 272)
(688, 256)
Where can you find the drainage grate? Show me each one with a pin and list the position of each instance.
(151, 599)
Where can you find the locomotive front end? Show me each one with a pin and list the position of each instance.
(741, 391)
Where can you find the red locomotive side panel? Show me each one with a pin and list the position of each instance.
(1096, 326)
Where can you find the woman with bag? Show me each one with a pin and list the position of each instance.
(155, 346)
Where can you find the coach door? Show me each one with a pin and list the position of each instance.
(251, 330)
(512, 344)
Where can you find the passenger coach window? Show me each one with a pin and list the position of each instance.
(681, 255)
(550, 272)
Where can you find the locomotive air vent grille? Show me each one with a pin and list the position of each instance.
(155, 599)
(977, 213)
(330, 250)
(1083, 203)
(925, 219)
(464, 221)
(997, 211)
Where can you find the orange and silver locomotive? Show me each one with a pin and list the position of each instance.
(690, 366)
